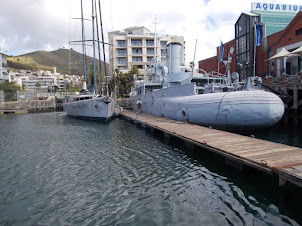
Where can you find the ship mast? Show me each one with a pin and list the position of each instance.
(93, 41)
(83, 47)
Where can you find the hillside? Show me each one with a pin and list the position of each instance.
(43, 60)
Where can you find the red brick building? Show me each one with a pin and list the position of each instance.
(243, 59)
(290, 38)
(212, 64)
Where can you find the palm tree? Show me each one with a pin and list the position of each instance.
(117, 74)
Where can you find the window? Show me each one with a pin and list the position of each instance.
(137, 59)
(121, 52)
(136, 42)
(150, 42)
(149, 59)
(299, 31)
(163, 52)
(121, 61)
(150, 51)
(121, 43)
(136, 51)
(163, 44)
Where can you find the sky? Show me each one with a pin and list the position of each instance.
(32, 25)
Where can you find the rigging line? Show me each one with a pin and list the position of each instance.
(99, 51)
(101, 23)
(69, 70)
(83, 38)
(90, 41)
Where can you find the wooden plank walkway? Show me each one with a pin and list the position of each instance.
(270, 157)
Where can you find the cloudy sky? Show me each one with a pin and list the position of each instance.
(31, 25)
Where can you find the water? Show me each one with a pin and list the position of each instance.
(289, 133)
(56, 170)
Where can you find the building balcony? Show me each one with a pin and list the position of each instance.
(121, 46)
(4, 77)
(137, 54)
(122, 64)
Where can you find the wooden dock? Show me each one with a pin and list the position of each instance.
(270, 157)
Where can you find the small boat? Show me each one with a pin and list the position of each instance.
(175, 92)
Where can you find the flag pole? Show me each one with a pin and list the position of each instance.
(255, 44)
(218, 58)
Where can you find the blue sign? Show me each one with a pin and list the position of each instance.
(256, 6)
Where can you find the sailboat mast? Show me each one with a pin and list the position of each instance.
(94, 68)
(101, 23)
(83, 46)
(99, 51)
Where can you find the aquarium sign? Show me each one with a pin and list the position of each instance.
(260, 6)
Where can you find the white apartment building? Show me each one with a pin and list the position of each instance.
(3, 67)
(42, 82)
(135, 47)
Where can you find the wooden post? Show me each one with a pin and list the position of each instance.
(189, 146)
(166, 137)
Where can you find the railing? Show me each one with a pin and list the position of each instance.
(289, 71)
(150, 79)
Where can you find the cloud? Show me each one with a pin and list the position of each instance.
(31, 25)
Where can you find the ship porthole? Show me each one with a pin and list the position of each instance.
(184, 114)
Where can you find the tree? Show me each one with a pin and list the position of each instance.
(9, 86)
(124, 82)
(38, 85)
(192, 64)
(9, 89)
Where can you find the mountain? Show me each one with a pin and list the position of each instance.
(43, 60)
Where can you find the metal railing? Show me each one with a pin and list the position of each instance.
(294, 70)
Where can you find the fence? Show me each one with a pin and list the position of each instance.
(31, 100)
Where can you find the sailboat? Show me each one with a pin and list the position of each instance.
(91, 106)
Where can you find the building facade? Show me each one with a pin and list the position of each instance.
(274, 18)
(3, 67)
(212, 64)
(135, 46)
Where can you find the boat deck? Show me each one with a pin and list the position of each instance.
(270, 157)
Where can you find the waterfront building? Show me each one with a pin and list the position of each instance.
(135, 47)
(39, 81)
(3, 67)
(274, 18)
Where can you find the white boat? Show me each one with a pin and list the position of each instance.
(87, 105)
(176, 92)
(91, 107)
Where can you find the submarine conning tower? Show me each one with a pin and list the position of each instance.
(174, 57)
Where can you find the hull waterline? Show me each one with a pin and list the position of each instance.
(231, 110)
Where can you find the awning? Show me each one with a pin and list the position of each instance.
(283, 53)
(298, 51)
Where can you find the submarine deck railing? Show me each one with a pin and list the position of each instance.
(273, 158)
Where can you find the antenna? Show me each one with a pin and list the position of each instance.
(155, 56)
(194, 57)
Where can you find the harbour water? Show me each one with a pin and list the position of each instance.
(56, 170)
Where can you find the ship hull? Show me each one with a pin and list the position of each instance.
(230, 110)
(100, 108)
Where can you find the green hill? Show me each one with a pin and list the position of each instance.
(43, 60)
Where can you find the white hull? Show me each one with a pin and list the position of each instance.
(96, 108)
(231, 110)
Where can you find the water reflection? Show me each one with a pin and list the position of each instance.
(56, 170)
